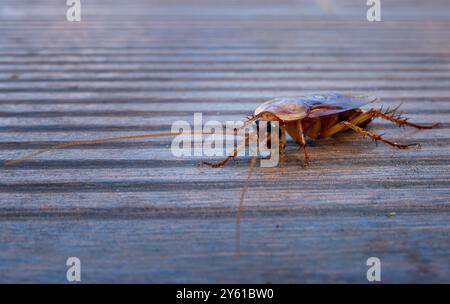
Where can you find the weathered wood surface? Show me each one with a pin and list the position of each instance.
(133, 213)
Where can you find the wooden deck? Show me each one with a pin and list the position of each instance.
(133, 213)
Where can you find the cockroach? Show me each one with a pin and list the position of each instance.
(322, 116)
(315, 116)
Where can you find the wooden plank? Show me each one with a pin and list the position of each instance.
(132, 212)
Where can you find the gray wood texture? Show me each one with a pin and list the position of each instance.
(133, 213)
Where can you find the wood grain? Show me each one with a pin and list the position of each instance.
(133, 213)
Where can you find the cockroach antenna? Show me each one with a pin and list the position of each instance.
(105, 140)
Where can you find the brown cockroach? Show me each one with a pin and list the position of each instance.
(323, 116)
(316, 116)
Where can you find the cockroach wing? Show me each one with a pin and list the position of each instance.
(285, 108)
(315, 105)
(328, 104)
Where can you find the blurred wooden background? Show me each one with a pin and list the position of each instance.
(133, 213)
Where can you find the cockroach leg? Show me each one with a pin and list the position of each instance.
(377, 137)
(247, 138)
(306, 156)
(227, 159)
(282, 141)
(391, 115)
(302, 142)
